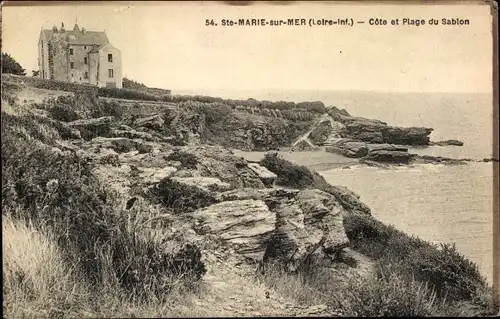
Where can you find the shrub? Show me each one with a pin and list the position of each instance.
(390, 296)
(107, 108)
(62, 86)
(32, 128)
(181, 197)
(9, 92)
(443, 268)
(315, 107)
(77, 205)
(127, 94)
(187, 160)
(375, 239)
(131, 84)
(81, 105)
(351, 294)
(291, 175)
(62, 109)
(449, 272)
(215, 113)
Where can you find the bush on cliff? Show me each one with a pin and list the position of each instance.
(187, 160)
(442, 268)
(292, 175)
(62, 108)
(409, 259)
(181, 197)
(355, 295)
(82, 105)
(307, 107)
(411, 277)
(219, 124)
(55, 85)
(35, 128)
(127, 94)
(107, 108)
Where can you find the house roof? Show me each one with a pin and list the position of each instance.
(76, 36)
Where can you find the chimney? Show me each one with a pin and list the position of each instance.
(62, 27)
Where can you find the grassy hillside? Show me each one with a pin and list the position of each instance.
(74, 247)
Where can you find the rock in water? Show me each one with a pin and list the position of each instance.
(244, 224)
(386, 147)
(396, 157)
(447, 143)
(349, 149)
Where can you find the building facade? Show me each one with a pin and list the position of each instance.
(79, 56)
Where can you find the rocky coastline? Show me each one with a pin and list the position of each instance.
(149, 192)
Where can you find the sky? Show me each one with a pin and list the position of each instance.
(168, 45)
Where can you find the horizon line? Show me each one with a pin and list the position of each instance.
(287, 90)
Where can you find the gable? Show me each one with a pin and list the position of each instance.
(78, 37)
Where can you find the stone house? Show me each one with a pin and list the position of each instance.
(79, 56)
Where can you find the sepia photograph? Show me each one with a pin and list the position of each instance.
(249, 159)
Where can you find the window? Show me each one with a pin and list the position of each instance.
(111, 73)
(86, 75)
(71, 51)
(85, 61)
(110, 57)
(72, 65)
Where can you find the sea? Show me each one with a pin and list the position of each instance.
(438, 203)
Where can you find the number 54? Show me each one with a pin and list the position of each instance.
(209, 22)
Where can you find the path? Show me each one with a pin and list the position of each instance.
(333, 135)
(233, 291)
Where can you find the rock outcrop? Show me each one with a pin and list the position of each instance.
(308, 223)
(245, 225)
(349, 148)
(94, 127)
(267, 177)
(154, 122)
(383, 153)
(379, 133)
(206, 194)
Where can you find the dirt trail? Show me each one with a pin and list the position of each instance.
(233, 291)
(305, 136)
